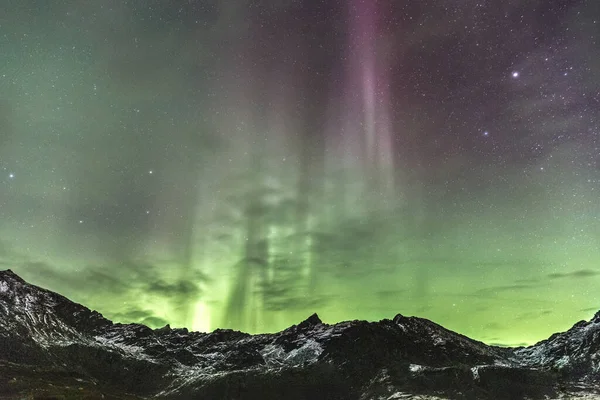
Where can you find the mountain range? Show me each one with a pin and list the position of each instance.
(53, 348)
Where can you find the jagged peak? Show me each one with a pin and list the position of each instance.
(10, 280)
(310, 321)
(596, 317)
(399, 318)
(166, 328)
(10, 273)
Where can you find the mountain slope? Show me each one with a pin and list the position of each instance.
(50, 346)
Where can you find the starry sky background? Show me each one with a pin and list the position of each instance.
(243, 164)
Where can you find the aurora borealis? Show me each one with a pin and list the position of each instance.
(243, 164)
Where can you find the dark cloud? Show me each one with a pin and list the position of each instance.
(283, 293)
(386, 294)
(103, 279)
(504, 288)
(129, 278)
(531, 315)
(178, 288)
(139, 316)
(47, 275)
(527, 281)
(582, 273)
(88, 278)
(291, 303)
(133, 315)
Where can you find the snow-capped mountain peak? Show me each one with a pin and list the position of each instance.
(51, 342)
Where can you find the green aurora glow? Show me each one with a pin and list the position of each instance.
(217, 166)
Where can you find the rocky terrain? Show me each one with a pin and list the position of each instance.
(52, 348)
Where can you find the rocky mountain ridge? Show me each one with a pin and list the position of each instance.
(51, 347)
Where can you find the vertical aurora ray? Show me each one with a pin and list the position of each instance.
(367, 105)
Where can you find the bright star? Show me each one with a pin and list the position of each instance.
(515, 74)
(11, 175)
(486, 133)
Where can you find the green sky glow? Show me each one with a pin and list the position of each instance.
(213, 166)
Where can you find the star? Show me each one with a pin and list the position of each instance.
(11, 175)
(515, 74)
(486, 133)
(150, 172)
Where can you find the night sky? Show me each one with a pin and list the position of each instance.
(243, 164)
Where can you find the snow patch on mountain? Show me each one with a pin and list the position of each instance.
(415, 368)
(475, 372)
(409, 396)
(189, 376)
(127, 350)
(276, 356)
(564, 350)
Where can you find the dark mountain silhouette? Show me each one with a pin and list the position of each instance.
(53, 348)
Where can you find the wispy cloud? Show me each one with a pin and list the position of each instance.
(503, 288)
(145, 317)
(582, 273)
